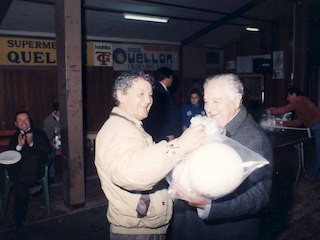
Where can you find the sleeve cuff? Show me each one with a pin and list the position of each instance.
(174, 148)
(204, 213)
(18, 148)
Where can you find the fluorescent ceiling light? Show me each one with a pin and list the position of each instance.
(146, 18)
(252, 29)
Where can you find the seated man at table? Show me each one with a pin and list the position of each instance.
(308, 114)
(34, 148)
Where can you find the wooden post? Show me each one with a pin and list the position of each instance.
(69, 68)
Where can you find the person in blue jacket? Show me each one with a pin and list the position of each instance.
(193, 107)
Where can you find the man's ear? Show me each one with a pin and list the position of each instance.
(121, 96)
(238, 100)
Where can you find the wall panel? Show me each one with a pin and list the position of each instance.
(29, 89)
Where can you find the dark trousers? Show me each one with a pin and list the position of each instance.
(24, 174)
(20, 206)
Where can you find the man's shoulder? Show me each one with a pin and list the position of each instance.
(114, 123)
(115, 127)
(250, 123)
(159, 89)
(48, 118)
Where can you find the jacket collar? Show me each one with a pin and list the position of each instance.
(233, 126)
(25, 132)
(116, 111)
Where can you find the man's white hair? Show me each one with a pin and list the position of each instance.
(231, 81)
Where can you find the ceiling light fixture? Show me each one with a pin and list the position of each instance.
(145, 18)
(252, 29)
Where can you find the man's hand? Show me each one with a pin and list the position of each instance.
(193, 199)
(21, 139)
(29, 138)
(198, 202)
(192, 138)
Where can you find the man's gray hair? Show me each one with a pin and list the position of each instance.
(233, 82)
(125, 81)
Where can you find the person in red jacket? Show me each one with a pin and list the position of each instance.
(308, 114)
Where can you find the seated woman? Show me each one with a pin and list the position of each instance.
(193, 107)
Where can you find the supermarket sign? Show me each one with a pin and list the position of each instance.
(27, 51)
(145, 56)
(122, 57)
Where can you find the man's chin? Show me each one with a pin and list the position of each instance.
(143, 116)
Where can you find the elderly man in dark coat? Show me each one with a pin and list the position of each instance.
(237, 215)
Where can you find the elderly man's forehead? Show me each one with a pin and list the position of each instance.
(219, 90)
(216, 85)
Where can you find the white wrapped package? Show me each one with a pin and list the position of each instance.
(222, 165)
(215, 169)
(211, 171)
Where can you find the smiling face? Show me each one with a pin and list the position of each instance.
(220, 103)
(22, 122)
(138, 99)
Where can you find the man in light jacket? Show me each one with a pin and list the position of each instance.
(131, 167)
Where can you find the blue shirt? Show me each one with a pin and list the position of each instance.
(189, 111)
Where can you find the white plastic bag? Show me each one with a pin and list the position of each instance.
(268, 122)
(215, 169)
(272, 123)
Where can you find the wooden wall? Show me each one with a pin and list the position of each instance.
(97, 97)
(30, 89)
(35, 90)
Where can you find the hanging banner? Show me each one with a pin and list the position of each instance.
(99, 54)
(123, 57)
(27, 51)
(144, 57)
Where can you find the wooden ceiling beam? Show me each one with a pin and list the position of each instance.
(222, 21)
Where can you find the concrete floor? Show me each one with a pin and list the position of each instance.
(293, 213)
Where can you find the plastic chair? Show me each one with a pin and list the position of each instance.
(45, 184)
